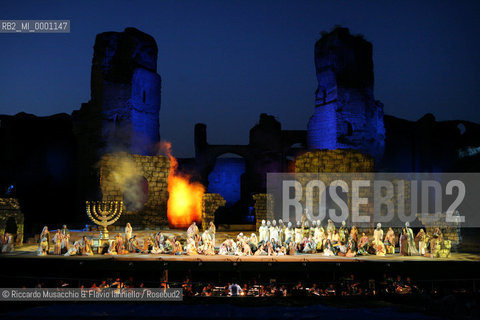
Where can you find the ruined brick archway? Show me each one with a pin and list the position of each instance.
(117, 170)
(10, 209)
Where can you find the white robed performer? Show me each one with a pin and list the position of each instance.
(274, 231)
(192, 230)
(378, 241)
(212, 230)
(262, 232)
(74, 250)
(319, 235)
(281, 231)
(128, 232)
(289, 233)
(378, 233)
(206, 236)
(269, 224)
(298, 233)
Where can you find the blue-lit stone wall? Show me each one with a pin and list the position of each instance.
(347, 116)
(225, 179)
(145, 111)
(126, 91)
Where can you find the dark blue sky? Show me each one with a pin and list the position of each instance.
(225, 62)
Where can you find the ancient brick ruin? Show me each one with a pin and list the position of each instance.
(263, 208)
(347, 133)
(10, 209)
(346, 112)
(140, 182)
(210, 203)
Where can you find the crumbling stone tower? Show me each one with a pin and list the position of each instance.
(126, 85)
(124, 111)
(346, 112)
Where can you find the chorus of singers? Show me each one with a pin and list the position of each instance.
(273, 239)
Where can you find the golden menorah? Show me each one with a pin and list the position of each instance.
(105, 213)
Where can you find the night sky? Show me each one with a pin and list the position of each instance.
(225, 62)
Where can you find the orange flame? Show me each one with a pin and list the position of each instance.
(185, 197)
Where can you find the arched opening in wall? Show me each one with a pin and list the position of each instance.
(11, 226)
(226, 179)
(349, 129)
(144, 96)
(135, 193)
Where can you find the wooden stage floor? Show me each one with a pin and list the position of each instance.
(29, 252)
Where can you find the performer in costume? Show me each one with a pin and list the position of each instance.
(8, 243)
(262, 231)
(168, 246)
(190, 247)
(85, 247)
(133, 246)
(192, 230)
(148, 243)
(57, 242)
(253, 242)
(112, 249)
(128, 232)
(390, 241)
(274, 234)
(343, 233)
(44, 246)
(306, 229)
(421, 242)
(74, 250)
(206, 236)
(378, 245)
(363, 245)
(298, 233)
(437, 237)
(212, 231)
(177, 248)
(411, 248)
(329, 249)
(330, 226)
(209, 249)
(281, 231)
(65, 239)
(289, 233)
(351, 248)
(119, 246)
(354, 234)
(267, 230)
(319, 236)
(159, 239)
(403, 240)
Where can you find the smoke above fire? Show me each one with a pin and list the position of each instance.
(185, 196)
(125, 173)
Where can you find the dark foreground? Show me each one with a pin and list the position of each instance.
(355, 288)
(240, 308)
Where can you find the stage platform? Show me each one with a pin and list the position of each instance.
(29, 253)
(25, 265)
